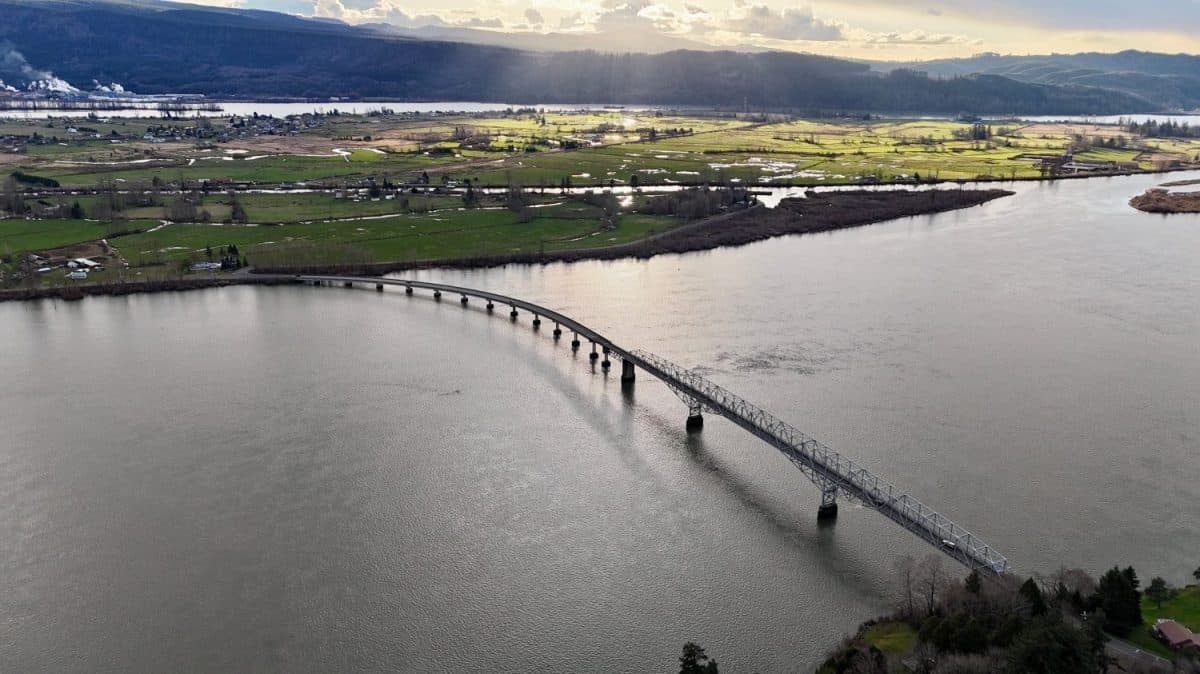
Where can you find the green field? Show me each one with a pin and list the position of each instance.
(612, 148)
(37, 235)
(282, 207)
(1184, 608)
(427, 236)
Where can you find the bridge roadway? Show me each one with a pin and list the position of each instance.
(832, 473)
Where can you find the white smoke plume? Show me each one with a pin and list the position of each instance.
(13, 62)
(113, 88)
(52, 85)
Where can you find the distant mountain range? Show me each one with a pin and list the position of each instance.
(1168, 81)
(158, 47)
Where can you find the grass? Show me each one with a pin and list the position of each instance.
(271, 170)
(435, 235)
(35, 235)
(1184, 608)
(893, 638)
(280, 208)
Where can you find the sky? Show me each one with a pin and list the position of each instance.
(904, 30)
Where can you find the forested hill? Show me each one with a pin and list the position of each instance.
(1170, 80)
(155, 47)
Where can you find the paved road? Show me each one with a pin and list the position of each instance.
(1124, 649)
(1119, 648)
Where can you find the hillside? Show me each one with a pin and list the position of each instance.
(157, 47)
(1171, 81)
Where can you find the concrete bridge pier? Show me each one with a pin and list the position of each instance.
(463, 300)
(828, 511)
(695, 420)
(513, 314)
(407, 290)
(557, 331)
(627, 372)
(490, 307)
(437, 295)
(537, 322)
(379, 287)
(575, 342)
(316, 283)
(348, 284)
(593, 356)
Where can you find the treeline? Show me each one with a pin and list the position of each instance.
(194, 50)
(29, 179)
(700, 202)
(1056, 624)
(1167, 129)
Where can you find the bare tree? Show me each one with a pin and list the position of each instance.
(11, 199)
(931, 579)
(906, 572)
(182, 209)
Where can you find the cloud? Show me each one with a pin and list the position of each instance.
(787, 24)
(896, 29)
(1063, 15)
(626, 7)
(917, 37)
(476, 22)
(387, 11)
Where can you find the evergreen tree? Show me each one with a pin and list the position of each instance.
(1033, 594)
(695, 661)
(1050, 646)
(1118, 596)
(1158, 591)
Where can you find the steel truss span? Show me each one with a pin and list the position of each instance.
(835, 475)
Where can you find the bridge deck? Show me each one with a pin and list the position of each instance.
(826, 468)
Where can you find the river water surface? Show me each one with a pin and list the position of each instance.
(324, 479)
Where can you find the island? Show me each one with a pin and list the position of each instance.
(1159, 200)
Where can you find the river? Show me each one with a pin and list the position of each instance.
(326, 479)
(247, 108)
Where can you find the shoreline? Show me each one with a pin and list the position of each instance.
(755, 223)
(1164, 202)
(819, 212)
(320, 184)
(78, 292)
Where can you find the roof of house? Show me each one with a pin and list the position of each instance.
(1176, 634)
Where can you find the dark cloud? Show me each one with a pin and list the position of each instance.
(534, 17)
(476, 22)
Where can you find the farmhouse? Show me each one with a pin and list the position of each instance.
(1176, 636)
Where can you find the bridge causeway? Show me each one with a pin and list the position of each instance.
(833, 474)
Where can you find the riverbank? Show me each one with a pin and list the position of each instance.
(78, 292)
(1069, 622)
(817, 213)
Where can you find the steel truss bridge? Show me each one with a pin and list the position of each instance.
(835, 475)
